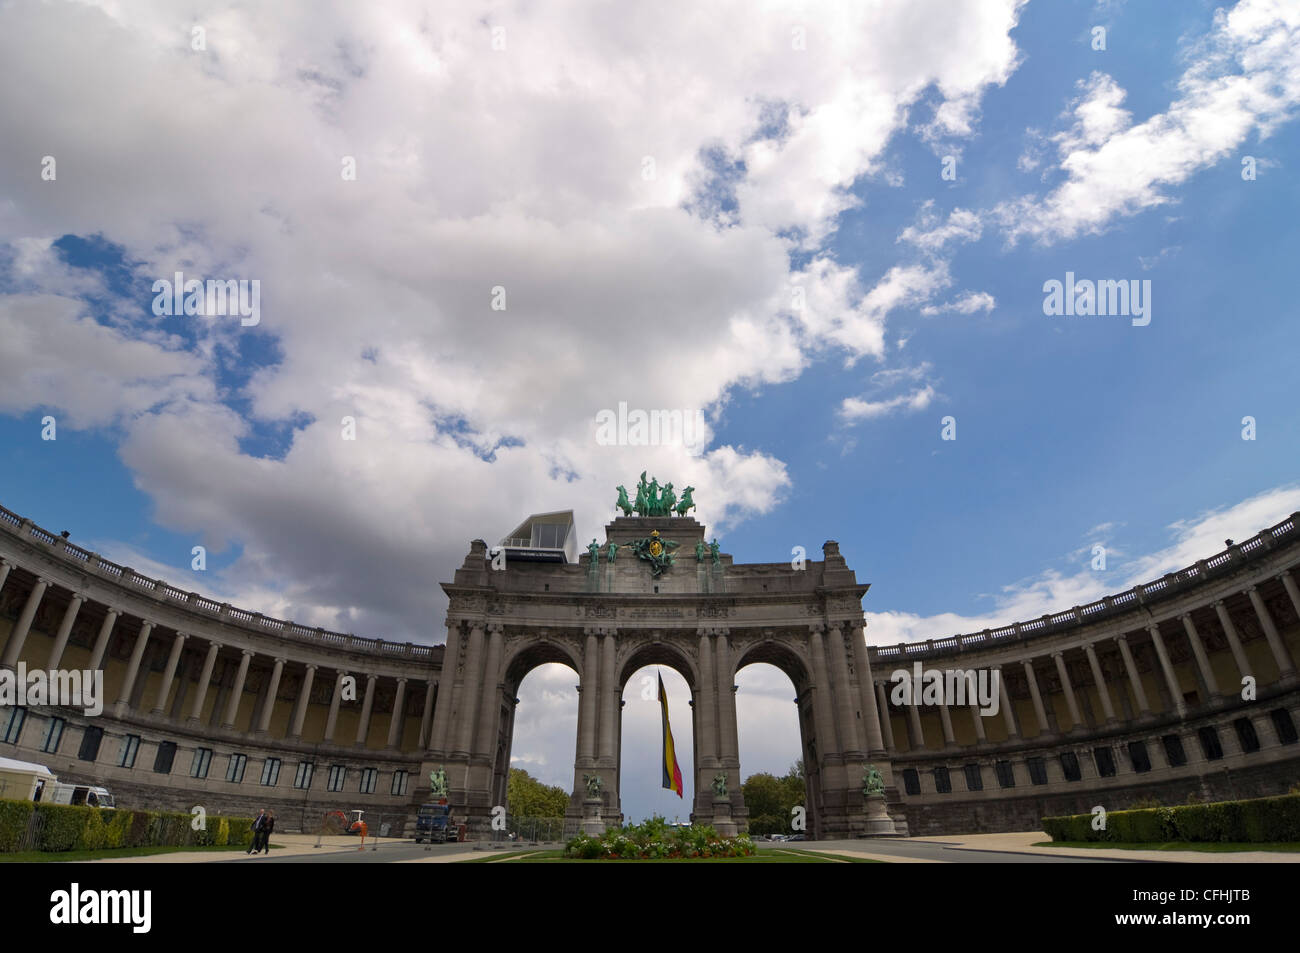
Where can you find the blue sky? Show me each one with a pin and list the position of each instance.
(524, 168)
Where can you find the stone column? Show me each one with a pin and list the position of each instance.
(728, 742)
(301, 702)
(133, 667)
(1285, 666)
(237, 690)
(101, 641)
(1234, 641)
(65, 629)
(1076, 721)
(588, 701)
(945, 719)
(1044, 726)
(1202, 661)
(914, 719)
(1284, 577)
(707, 716)
(825, 719)
(978, 721)
(609, 703)
(885, 723)
(205, 679)
(169, 673)
(874, 736)
(850, 744)
(489, 712)
(5, 566)
(395, 722)
(1171, 679)
(1144, 707)
(426, 718)
(268, 707)
(1008, 710)
(367, 706)
(440, 734)
(1102, 691)
(467, 698)
(332, 719)
(23, 625)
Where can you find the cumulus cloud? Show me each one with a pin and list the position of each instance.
(1054, 591)
(968, 302)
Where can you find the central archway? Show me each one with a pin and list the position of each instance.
(641, 719)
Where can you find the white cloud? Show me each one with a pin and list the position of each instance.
(962, 226)
(968, 302)
(1243, 79)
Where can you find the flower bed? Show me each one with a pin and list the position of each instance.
(656, 840)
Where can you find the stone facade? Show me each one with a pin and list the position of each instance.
(1137, 695)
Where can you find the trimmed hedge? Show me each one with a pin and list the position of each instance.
(1256, 821)
(62, 827)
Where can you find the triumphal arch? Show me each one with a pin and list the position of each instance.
(656, 590)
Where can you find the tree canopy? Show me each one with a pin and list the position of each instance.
(529, 797)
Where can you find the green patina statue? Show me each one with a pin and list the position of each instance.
(623, 503)
(687, 504)
(594, 550)
(656, 551)
(719, 785)
(438, 782)
(593, 783)
(700, 551)
(610, 550)
(716, 552)
(873, 782)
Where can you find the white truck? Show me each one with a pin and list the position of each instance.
(27, 781)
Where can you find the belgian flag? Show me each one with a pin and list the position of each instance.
(672, 773)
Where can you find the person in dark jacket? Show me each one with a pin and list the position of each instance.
(268, 828)
(258, 823)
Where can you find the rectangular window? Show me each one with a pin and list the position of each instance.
(235, 768)
(1070, 765)
(1037, 770)
(199, 766)
(12, 719)
(1105, 758)
(942, 783)
(1283, 725)
(90, 742)
(302, 777)
(271, 772)
(1209, 736)
(1174, 752)
(1137, 756)
(53, 735)
(126, 756)
(1246, 734)
(974, 780)
(399, 783)
(911, 781)
(368, 778)
(162, 761)
(1006, 774)
(338, 773)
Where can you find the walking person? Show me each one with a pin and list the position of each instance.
(258, 823)
(268, 828)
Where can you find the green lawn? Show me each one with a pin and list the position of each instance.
(780, 855)
(112, 853)
(1204, 847)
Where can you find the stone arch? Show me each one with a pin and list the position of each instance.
(780, 653)
(656, 651)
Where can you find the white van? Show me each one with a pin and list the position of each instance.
(24, 780)
(83, 794)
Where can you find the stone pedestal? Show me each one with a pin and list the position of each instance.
(722, 821)
(879, 823)
(591, 822)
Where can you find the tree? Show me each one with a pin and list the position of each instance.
(528, 797)
(771, 800)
